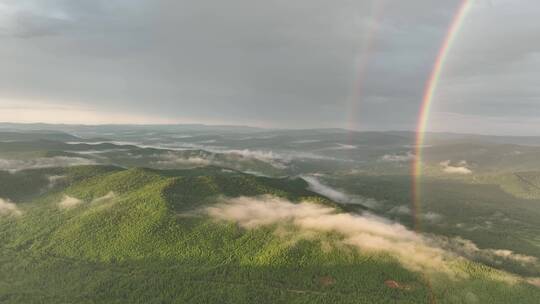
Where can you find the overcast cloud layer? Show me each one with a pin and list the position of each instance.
(301, 63)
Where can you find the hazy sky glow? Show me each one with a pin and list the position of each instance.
(278, 63)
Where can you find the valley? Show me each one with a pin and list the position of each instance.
(87, 221)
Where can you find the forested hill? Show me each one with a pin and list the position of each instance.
(103, 234)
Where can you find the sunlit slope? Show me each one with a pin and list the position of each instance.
(111, 235)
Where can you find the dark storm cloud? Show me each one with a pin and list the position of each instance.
(272, 63)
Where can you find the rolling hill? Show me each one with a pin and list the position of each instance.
(105, 234)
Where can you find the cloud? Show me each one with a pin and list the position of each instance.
(306, 141)
(69, 202)
(368, 233)
(276, 160)
(9, 208)
(115, 142)
(534, 281)
(230, 158)
(342, 147)
(54, 179)
(109, 196)
(279, 160)
(470, 250)
(398, 157)
(171, 159)
(97, 153)
(30, 21)
(336, 195)
(14, 165)
(510, 255)
(209, 141)
(461, 168)
(316, 186)
(256, 173)
(400, 210)
(294, 55)
(432, 216)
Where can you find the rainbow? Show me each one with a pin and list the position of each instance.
(367, 49)
(427, 101)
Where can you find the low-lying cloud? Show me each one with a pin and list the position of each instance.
(8, 208)
(401, 210)
(171, 159)
(99, 154)
(69, 202)
(306, 141)
(109, 196)
(431, 216)
(470, 250)
(398, 158)
(368, 233)
(270, 157)
(229, 157)
(237, 159)
(342, 147)
(461, 168)
(14, 165)
(279, 160)
(336, 195)
(55, 179)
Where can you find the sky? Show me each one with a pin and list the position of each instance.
(358, 64)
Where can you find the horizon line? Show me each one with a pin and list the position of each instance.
(260, 128)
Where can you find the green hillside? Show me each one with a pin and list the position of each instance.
(520, 184)
(138, 236)
(492, 211)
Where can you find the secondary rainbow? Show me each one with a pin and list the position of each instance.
(365, 55)
(427, 101)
